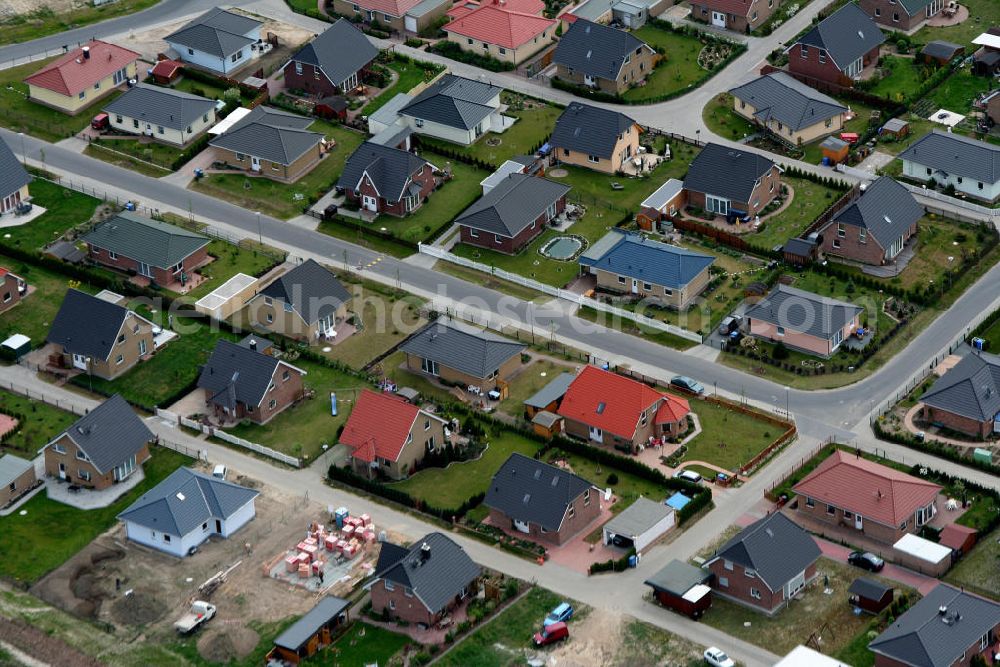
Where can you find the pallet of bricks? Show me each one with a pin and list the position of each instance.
(346, 541)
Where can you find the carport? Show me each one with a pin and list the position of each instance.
(641, 524)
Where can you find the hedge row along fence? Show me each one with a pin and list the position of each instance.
(933, 448)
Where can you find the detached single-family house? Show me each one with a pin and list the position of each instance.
(632, 14)
(765, 564)
(14, 179)
(902, 15)
(167, 255)
(802, 320)
(390, 436)
(732, 182)
(601, 57)
(512, 213)
(790, 110)
(851, 494)
(186, 509)
(456, 109)
(306, 303)
(461, 355)
(385, 179)
(497, 31)
(971, 166)
(163, 114)
(948, 627)
(837, 49)
(602, 407)
(546, 503)
(595, 138)
(271, 143)
(314, 631)
(17, 477)
(411, 16)
(241, 382)
(966, 398)
(13, 288)
(99, 337)
(100, 449)
(735, 15)
(628, 263)
(423, 583)
(664, 204)
(219, 40)
(874, 227)
(334, 62)
(82, 76)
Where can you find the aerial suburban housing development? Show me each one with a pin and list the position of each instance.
(500, 332)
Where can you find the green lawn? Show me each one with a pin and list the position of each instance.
(19, 114)
(812, 152)
(51, 532)
(627, 489)
(604, 208)
(982, 15)
(41, 423)
(230, 260)
(528, 382)
(361, 645)
(489, 282)
(959, 90)
(720, 118)
(808, 202)
(44, 21)
(285, 200)
(65, 209)
(394, 368)
(34, 316)
(904, 76)
(409, 75)
(980, 569)
(501, 641)
(131, 161)
(213, 91)
(679, 68)
(728, 438)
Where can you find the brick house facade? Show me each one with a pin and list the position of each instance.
(135, 340)
(816, 63)
(63, 461)
(453, 376)
(268, 169)
(18, 486)
(10, 292)
(847, 241)
(737, 15)
(510, 245)
(761, 195)
(892, 14)
(164, 277)
(285, 389)
(310, 78)
(403, 605)
(580, 512)
(366, 191)
(425, 434)
(733, 581)
(959, 423)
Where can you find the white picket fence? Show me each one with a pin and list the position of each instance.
(578, 299)
(226, 437)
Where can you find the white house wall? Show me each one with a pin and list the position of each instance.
(431, 129)
(654, 533)
(969, 186)
(214, 63)
(179, 546)
(238, 519)
(172, 136)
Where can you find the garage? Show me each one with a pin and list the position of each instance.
(683, 588)
(639, 525)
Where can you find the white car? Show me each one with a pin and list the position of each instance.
(717, 658)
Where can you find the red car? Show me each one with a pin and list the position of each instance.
(100, 122)
(552, 634)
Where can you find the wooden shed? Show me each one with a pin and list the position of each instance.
(959, 538)
(799, 252)
(547, 424)
(333, 106)
(835, 150)
(167, 71)
(870, 595)
(548, 397)
(311, 632)
(940, 52)
(897, 128)
(683, 588)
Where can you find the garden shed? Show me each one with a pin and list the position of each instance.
(683, 588)
(870, 595)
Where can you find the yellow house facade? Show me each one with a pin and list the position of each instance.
(83, 77)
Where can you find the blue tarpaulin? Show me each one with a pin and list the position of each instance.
(678, 501)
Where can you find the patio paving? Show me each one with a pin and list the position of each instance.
(89, 499)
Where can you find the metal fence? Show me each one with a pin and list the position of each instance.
(578, 299)
(211, 431)
(68, 406)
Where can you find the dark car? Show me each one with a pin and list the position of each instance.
(866, 560)
(687, 384)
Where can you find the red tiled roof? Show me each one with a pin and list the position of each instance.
(460, 10)
(874, 491)
(68, 77)
(737, 7)
(673, 409)
(166, 68)
(464, 7)
(391, 7)
(607, 401)
(955, 535)
(378, 426)
(498, 26)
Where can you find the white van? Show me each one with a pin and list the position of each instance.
(220, 471)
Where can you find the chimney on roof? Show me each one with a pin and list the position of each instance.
(253, 344)
(425, 552)
(86, 53)
(109, 56)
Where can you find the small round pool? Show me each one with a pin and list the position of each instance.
(562, 247)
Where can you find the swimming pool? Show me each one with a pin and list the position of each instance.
(562, 247)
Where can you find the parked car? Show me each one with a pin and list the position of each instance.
(560, 614)
(730, 325)
(688, 476)
(220, 472)
(201, 612)
(552, 634)
(866, 560)
(687, 384)
(718, 658)
(100, 122)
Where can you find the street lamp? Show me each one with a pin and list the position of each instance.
(260, 234)
(787, 415)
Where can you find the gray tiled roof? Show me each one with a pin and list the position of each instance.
(773, 546)
(87, 325)
(12, 173)
(803, 311)
(109, 434)
(868, 588)
(638, 517)
(467, 350)
(326, 610)
(726, 172)
(340, 51)
(454, 101)
(846, 35)
(955, 154)
(436, 575)
(216, 32)
(553, 391)
(941, 49)
(390, 169)
(650, 261)
(185, 500)
(161, 106)
(236, 374)
(970, 389)
(596, 49)
(926, 637)
(589, 130)
(311, 289)
(12, 467)
(533, 491)
(513, 204)
(678, 577)
(779, 97)
(270, 134)
(144, 240)
(885, 208)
